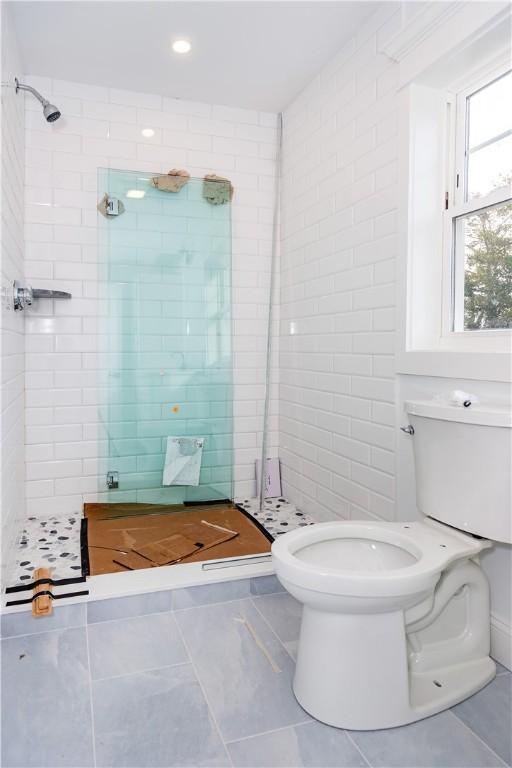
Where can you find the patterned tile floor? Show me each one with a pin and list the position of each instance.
(176, 679)
(52, 542)
(278, 515)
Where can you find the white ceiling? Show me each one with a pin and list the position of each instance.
(256, 55)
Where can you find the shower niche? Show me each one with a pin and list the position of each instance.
(165, 366)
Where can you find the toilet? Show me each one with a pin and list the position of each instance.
(396, 623)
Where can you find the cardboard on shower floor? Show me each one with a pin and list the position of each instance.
(200, 536)
(118, 532)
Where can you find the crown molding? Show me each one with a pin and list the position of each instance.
(417, 30)
(436, 34)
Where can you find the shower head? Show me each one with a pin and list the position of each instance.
(50, 111)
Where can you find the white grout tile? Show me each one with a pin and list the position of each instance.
(337, 285)
(101, 128)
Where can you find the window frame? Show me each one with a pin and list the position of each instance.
(457, 206)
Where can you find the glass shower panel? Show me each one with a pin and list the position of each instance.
(165, 365)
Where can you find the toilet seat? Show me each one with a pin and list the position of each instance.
(424, 550)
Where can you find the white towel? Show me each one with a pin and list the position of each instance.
(183, 460)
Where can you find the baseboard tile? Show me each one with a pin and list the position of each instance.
(501, 642)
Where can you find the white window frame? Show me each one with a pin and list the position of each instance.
(436, 50)
(457, 206)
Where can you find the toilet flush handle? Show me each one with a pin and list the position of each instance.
(409, 429)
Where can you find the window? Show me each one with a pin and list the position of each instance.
(478, 230)
(454, 277)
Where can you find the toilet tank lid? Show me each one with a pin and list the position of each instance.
(475, 414)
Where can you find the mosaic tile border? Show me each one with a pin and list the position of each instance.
(279, 515)
(52, 542)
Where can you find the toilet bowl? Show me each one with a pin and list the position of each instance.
(396, 621)
(365, 589)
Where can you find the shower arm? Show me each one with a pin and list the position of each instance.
(21, 87)
(50, 111)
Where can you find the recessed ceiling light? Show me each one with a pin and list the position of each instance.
(148, 132)
(181, 46)
(135, 193)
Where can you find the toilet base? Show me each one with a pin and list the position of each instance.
(427, 698)
(352, 672)
(455, 685)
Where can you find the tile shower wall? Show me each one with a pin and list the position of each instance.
(12, 343)
(101, 127)
(337, 391)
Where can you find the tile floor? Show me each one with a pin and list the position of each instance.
(177, 679)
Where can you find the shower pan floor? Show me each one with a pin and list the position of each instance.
(58, 542)
(121, 536)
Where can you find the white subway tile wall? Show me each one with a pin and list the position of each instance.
(339, 201)
(101, 127)
(12, 342)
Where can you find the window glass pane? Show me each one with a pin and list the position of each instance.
(490, 111)
(490, 168)
(483, 269)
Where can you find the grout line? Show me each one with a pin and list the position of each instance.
(208, 705)
(127, 618)
(92, 623)
(349, 736)
(273, 631)
(93, 730)
(207, 605)
(272, 730)
(250, 596)
(141, 671)
(501, 761)
(502, 672)
(43, 632)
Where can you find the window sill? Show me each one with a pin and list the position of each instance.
(482, 366)
(485, 342)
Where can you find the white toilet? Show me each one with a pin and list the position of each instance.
(395, 623)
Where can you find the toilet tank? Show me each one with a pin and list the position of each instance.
(463, 466)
